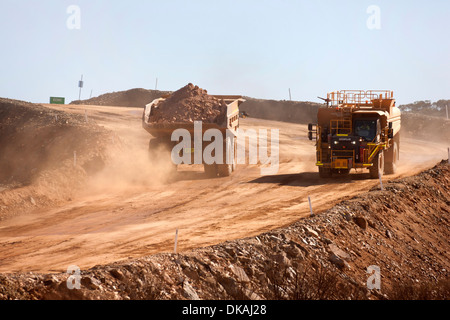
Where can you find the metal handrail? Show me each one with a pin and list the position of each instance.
(357, 96)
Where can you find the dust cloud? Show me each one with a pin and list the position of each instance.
(129, 166)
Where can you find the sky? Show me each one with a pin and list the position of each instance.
(256, 48)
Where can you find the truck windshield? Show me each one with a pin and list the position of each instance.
(366, 129)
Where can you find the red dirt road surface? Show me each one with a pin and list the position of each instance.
(131, 209)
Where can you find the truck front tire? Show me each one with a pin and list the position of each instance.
(391, 160)
(377, 168)
(324, 172)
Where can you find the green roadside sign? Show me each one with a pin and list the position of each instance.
(57, 100)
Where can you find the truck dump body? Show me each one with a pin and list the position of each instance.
(195, 107)
(165, 129)
(357, 130)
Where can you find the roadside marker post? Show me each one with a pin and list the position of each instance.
(310, 206)
(176, 240)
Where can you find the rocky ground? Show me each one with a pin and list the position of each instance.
(402, 231)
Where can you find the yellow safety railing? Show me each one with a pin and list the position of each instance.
(341, 126)
(358, 96)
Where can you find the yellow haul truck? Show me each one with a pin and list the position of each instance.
(357, 129)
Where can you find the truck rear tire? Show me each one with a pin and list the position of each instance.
(377, 169)
(227, 168)
(391, 160)
(234, 165)
(210, 170)
(224, 170)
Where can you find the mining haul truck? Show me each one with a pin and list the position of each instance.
(357, 129)
(161, 145)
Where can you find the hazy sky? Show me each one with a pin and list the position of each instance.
(250, 47)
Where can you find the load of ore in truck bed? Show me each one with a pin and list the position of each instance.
(189, 104)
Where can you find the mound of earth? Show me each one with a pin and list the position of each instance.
(288, 111)
(401, 231)
(44, 153)
(137, 98)
(189, 104)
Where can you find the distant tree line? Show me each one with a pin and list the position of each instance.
(427, 107)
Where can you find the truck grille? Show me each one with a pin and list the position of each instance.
(342, 153)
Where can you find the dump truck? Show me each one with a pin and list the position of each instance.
(357, 130)
(162, 136)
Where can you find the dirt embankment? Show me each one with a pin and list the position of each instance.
(136, 98)
(288, 111)
(45, 154)
(401, 231)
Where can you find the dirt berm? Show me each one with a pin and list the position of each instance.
(420, 126)
(129, 98)
(402, 231)
(290, 111)
(45, 154)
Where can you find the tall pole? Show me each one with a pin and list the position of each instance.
(156, 84)
(290, 97)
(80, 85)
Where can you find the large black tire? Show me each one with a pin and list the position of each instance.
(324, 172)
(377, 170)
(234, 165)
(210, 170)
(224, 170)
(390, 165)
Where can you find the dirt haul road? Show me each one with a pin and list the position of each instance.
(130, 210)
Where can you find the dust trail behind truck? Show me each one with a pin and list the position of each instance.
(357, 130)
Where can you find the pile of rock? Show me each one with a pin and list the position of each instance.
(189, 104)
